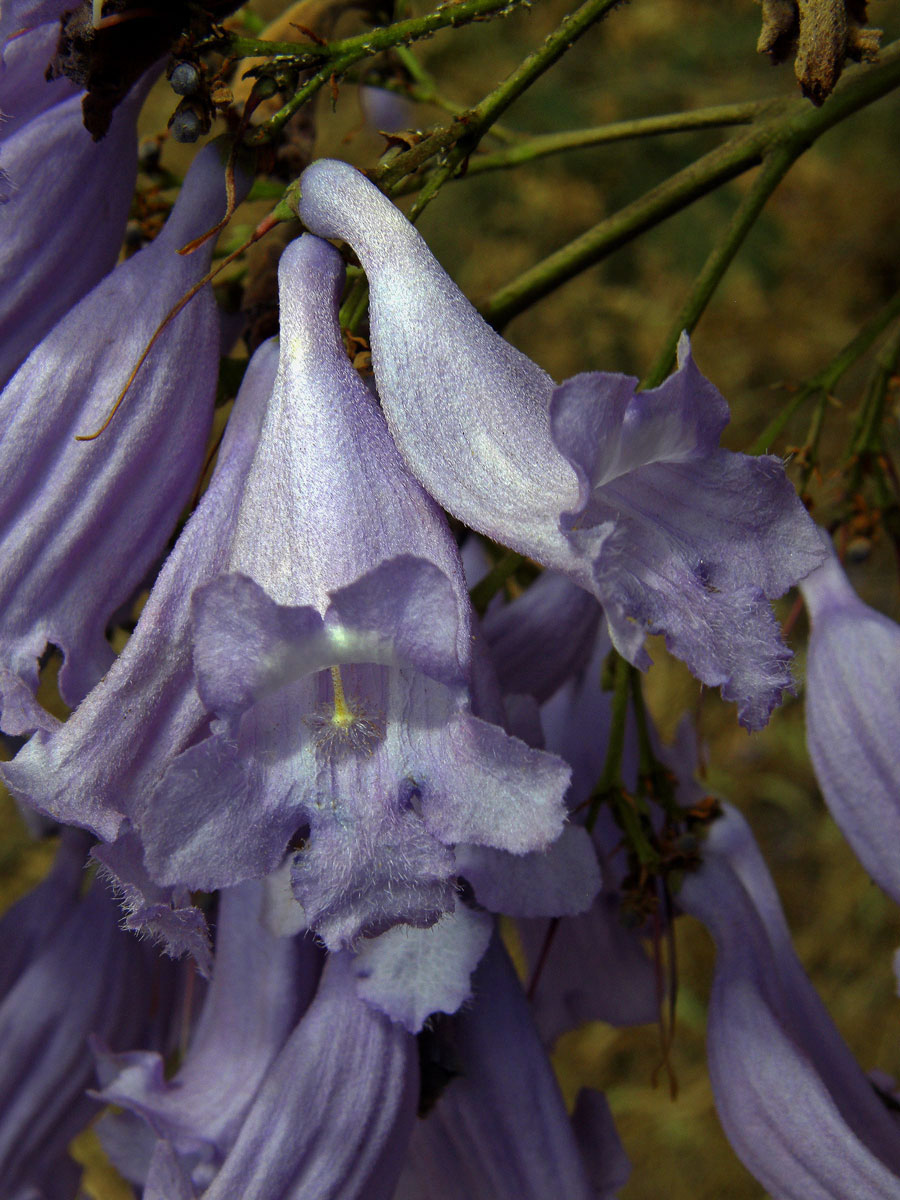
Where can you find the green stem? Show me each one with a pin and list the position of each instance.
(426, 92)
(867, 425)
(618, 131)
(484, 591)
(791, 123)
(774, 169)
(810, 449)
(829, 377)
(338, 56)
(615, 747)
(363, 45)
(355, 304)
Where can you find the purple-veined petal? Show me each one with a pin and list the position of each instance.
(408, 974)
(504, 1108)
(24, 90)
(261, 984)
(853, 719)
(87, 978)
(607, 1164)
(81, 522)
(98, 766)
(544, 637)
(327, 480)
(796, 1107)
(627, 493)
(333, 1116)
(19, 15)
(62, 225)
(33, 920)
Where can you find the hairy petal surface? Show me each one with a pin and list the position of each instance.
(796, 1107)
(82, 522)
(853, 719)
(411, 973)
(626, 492)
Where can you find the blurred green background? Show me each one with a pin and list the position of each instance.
(822, 258)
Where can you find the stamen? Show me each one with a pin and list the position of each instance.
(343, 726)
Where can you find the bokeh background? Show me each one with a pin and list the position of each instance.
(823, 257)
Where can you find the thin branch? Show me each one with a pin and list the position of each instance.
(467, 130)
(789, 123)
(773, 170)
(334, 58)
(543, 145)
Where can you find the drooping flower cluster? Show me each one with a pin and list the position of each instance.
(310, 727)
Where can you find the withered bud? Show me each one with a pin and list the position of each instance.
(822, 35)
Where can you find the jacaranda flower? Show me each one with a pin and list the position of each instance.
(501, 1102)
(853, 719)
(335, 664)
(96, 769)
(81, 522)
(628, 493)
(292, 1085)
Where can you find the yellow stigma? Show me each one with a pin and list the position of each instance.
(343, 726)
(343, 715)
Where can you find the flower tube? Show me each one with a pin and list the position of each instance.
(81, 522)
(853, 718)
(628, 493)
(83, 977)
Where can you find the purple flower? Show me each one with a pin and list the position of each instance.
(798, 1110)
(853, 719)
(589, 965)
(260, 987)
(287, 1088)
(337, 671)
(628, 493)
(82, 522)
(95, 769)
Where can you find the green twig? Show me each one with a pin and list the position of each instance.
(773, 170)
(615, 747)
(333, 58)
(535, 148)
(425, 91)
(810, 449)
(866, 436)
(792, 124)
